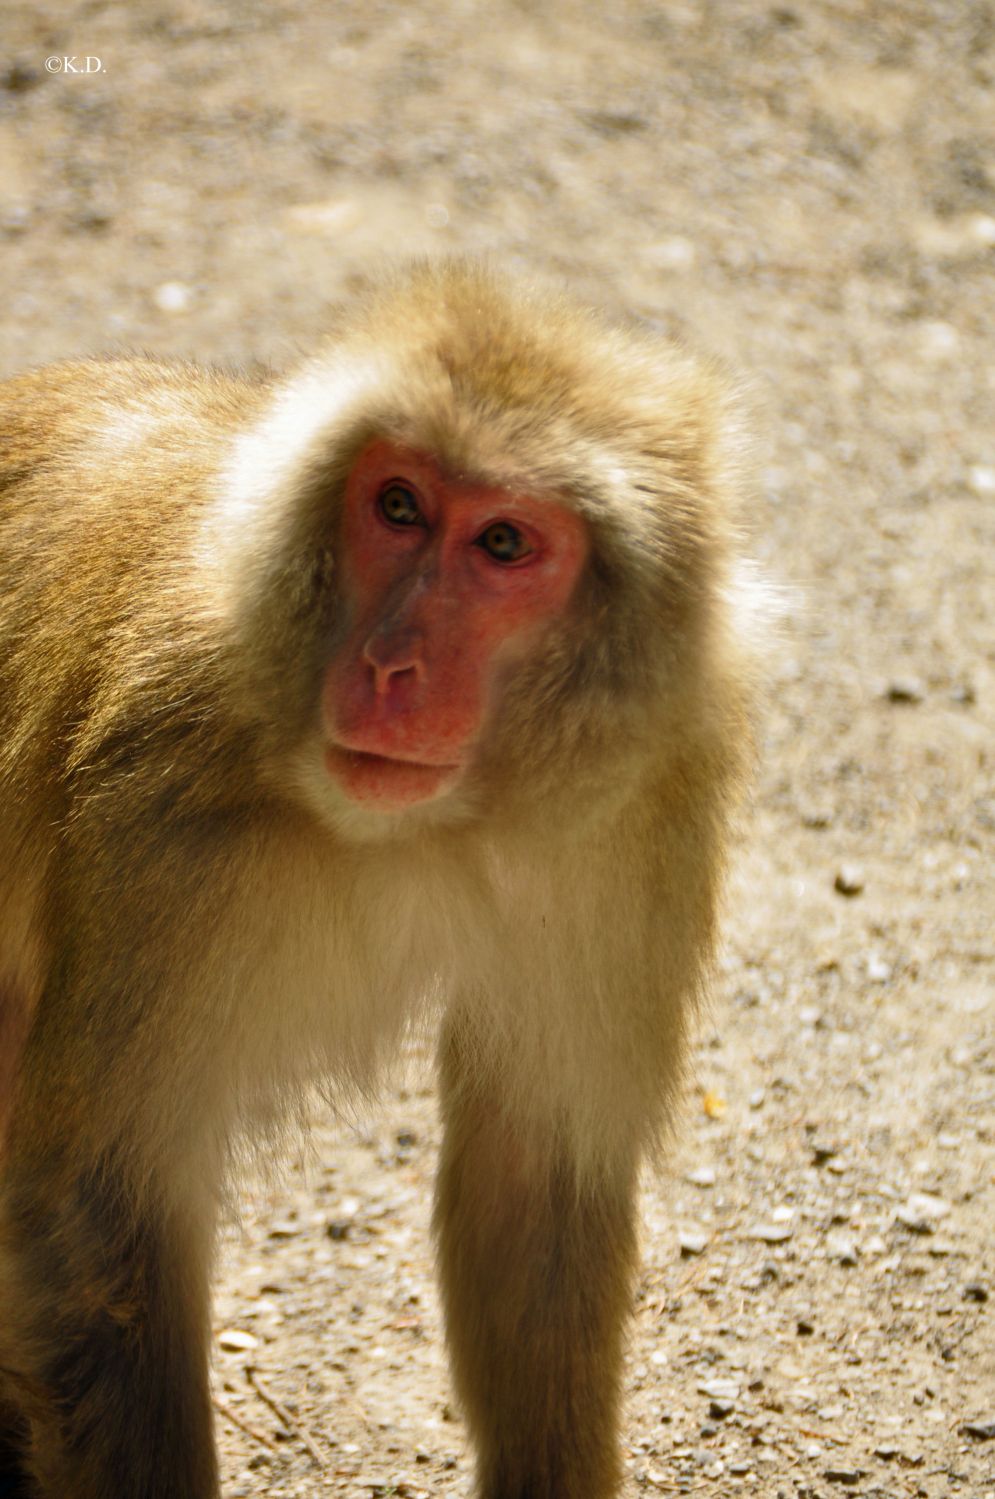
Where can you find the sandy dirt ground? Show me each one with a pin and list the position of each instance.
(808, 190)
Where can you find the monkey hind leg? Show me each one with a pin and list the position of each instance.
(106, 1331)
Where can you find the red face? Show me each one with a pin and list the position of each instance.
(447, 582)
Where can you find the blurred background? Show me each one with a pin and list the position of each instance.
(806, 189)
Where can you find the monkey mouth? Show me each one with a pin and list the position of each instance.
(388, 782)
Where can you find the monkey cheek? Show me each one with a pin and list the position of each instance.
(381, 784)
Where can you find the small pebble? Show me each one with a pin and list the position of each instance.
(981, 479)
(692, 1243)
(172, 296)
(843, 1248)
(702, 1176)
(720, 1389)
(236, 1341)
(905, 690)
(772, 1233)
(849, 880)
(921, 1212)
(938, 341)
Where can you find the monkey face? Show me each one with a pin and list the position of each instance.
(447, 583)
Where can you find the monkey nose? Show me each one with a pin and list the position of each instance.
(394, 655)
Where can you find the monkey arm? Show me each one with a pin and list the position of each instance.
(551, 1098)
(537, 1269)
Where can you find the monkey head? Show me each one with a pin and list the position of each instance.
(469, 553)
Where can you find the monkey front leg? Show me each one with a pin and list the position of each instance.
(103, 1338)
(537, 1269)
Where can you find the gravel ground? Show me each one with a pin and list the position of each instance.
(809, 191)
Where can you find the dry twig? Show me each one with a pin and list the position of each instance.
(236, 1420)
(294, 1427)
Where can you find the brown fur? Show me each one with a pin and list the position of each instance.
(194, 929)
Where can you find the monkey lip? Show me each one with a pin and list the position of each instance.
(385, 781)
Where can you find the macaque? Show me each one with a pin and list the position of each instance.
(416, 684)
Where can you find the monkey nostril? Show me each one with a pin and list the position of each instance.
(392, 674)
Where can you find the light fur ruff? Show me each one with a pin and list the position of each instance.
(195, 929)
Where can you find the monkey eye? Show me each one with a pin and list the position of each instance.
(503, 542)
(399, 505)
